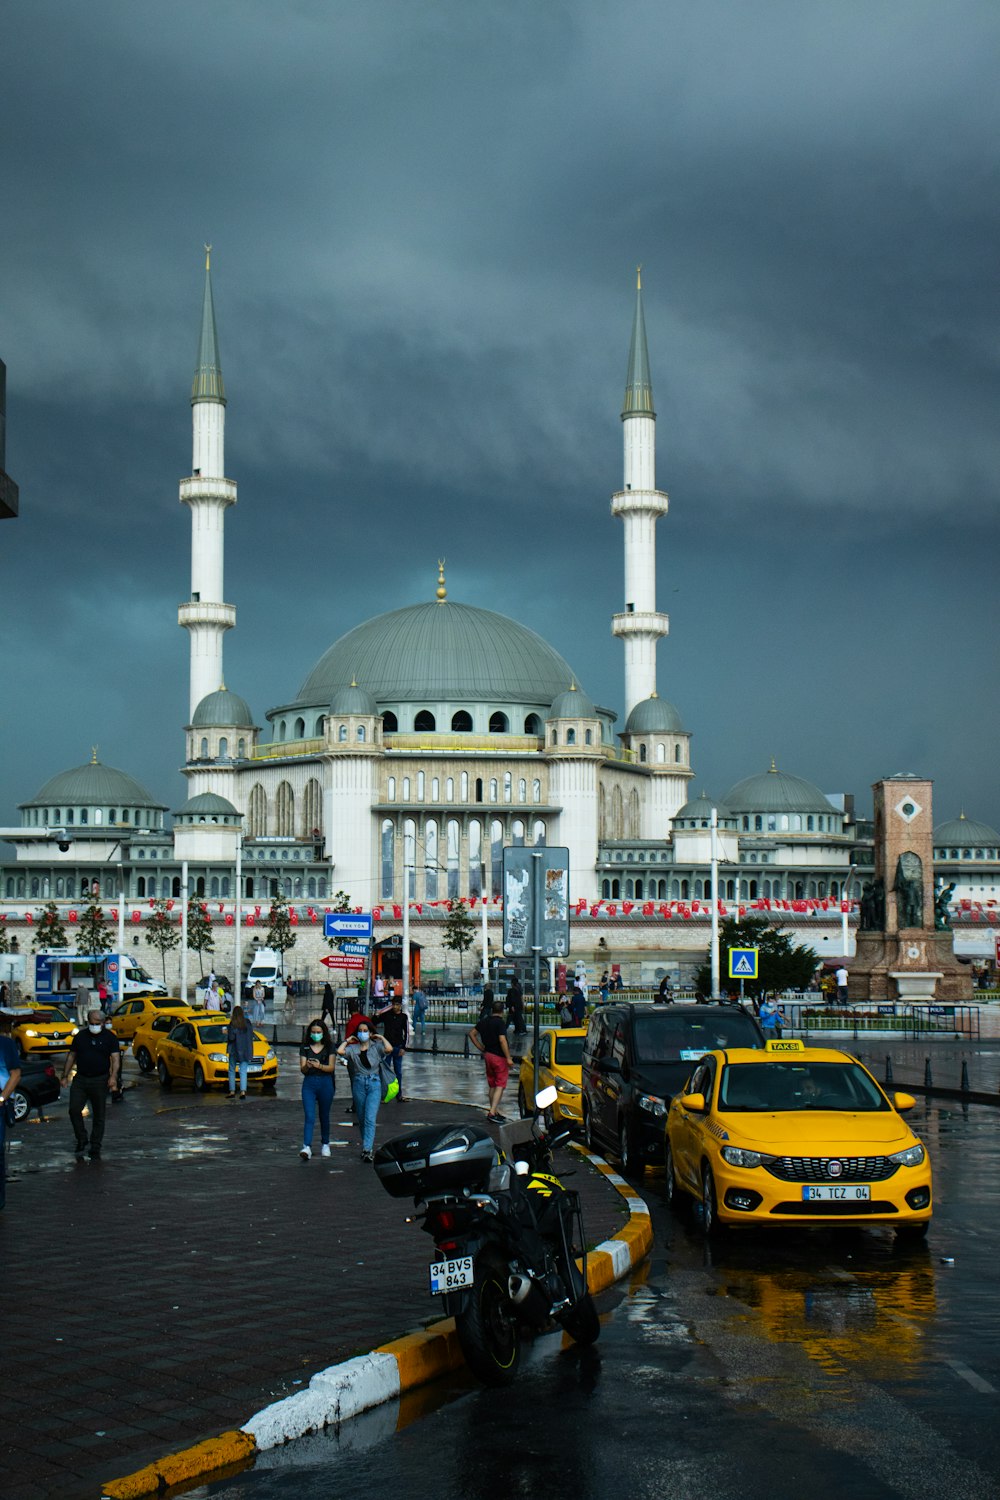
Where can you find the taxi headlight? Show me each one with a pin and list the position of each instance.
(29, 1032)
(652, 1103)
(911, 1157)
(271, 1055)
(218, 1057)
(737, 1157)
(565, 1087)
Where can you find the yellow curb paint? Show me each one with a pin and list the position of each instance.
(425, 1355)
(183, 1467)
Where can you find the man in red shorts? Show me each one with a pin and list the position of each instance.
(489, 1035)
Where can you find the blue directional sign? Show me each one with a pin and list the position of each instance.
(743, 963)
(360, 950)
(347, 924)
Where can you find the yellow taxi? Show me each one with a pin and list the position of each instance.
(154, 1028)
(130, 1015)
(795, 1135)
(46, 1029)
(560, 1055)
(194, 1051)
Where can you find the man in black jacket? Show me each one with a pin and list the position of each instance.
(396, 1030)
(96, 1056)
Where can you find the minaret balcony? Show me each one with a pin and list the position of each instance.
(204, 612)
(201, 487)
(643, 623)
(639, 503)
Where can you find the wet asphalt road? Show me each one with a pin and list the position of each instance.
(777, 1365)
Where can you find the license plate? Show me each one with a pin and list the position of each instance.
(842, 1192)
(255, 1068)
(449, 1275)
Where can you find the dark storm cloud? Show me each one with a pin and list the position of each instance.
(426, 220)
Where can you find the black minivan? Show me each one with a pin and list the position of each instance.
(636, 1057)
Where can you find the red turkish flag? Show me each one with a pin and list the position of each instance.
(612, 911)
(72, 916)
(627, 906)
(230, 919)
(250, 919)
(647, 908)
(418, 908)
(114, 914)
(293, 919)
(170, 906)
(28, 918)
(137, 916)
(376, 913)
(397, 912)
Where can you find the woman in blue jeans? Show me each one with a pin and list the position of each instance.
(239, 1047)
(316, 1063)
(364, 1052)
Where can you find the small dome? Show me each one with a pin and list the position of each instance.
(966, 832)
(572, 704)
(701, 807)
(654, 716)
(222, 710)
(93, 785)
(777, 791)
(209, 802)
(352, 700)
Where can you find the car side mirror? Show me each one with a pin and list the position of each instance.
(609, 1065)
(693, 1103)
(903, 1101)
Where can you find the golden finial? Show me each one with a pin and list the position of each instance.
(208, 257)
(354, 680)
(653, 694)
(222, 685)
(442, 592)
(638, 278)
(774, 768)
(93, 755)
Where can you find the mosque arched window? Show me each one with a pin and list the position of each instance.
(588, 739)
(453, 840)
(296, 886)
(606, 889)
(388, 852)
(479, 789)
(225, 886)
(390, 789)
(642, 754)
(241, 749)
(257, 812)
(449, 789)
(420, 786)
(285, 810)
(431, 859)
(361, 734)
(533, 725)
(389, 722)
(494, 789)
(465, 786)
(406, 788)
(496, 857)
(248, 886)
(661, 754)
(536, 790)
(571, 736)
(810, 823)
(424, 722)
(341, 734)
(517, 834)
(282, 730)
(772, 823)
(508, 786)
(758, 823)
(498, 723)
(678, 755)
(461, 723)
(213, 889)
(616, 889)
(312, 809)
(98, 815)
(311, 886)
(223, 748)
(35, 885)
(554, 740)
(475, 857)
(538, 834)
(617, 814)
(435, 789)
(629, 888)
(175, 886)
(409, 860)
(522, 790)
(83, 815)
(319, 726)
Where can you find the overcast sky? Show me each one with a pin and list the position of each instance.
(426, 220)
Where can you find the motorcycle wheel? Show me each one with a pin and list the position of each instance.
(581, 1322)
(488, 1330)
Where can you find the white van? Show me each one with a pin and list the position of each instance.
(267, 967)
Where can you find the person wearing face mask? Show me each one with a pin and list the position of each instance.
(96, 1056)
(364, 1052)
(316, 1062)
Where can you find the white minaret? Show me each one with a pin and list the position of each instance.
(639, 504)
(208, 494)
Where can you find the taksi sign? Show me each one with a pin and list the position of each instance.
(743, 963)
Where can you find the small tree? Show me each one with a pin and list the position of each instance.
(162, 933)
(4, 939)
(49, 930)
(279, 929)
(459, 933)
(200, 939)
(93, 935)
(781, 964)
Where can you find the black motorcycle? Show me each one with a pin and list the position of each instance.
(508, 1236)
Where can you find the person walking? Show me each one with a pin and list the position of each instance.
(10, 1077)
(363, 1053)
(771, 1018)
(489, 1036)
(578, 1003)
(95, 1054)
(664, 995)
(605, 986)
(239, 1046)
(256, 1010)
(396, 1030)
(515, 1007)
(329, 1005)
(82, 1002)
(841, 978)
(316, 1063)
(420, 1011)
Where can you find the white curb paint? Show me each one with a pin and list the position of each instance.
(333, 1395)
(621, 1255)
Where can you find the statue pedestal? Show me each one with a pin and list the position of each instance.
(909, 965)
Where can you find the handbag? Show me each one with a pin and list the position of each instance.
(390, 1083)
(10, 1113)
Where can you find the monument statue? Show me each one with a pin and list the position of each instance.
(872, 906)
(942, 901)
(909, 888)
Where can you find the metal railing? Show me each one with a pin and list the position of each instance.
(907, 1021)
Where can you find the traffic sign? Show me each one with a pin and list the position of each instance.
(343, 961)
(347, 924)
(743, 963)
(358, 948)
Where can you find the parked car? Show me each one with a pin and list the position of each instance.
(154, 1029)
(635, 1058)
(194, 1052)
(127, 1018)
(559, 1056)
(38, 1085)
(45, 1029)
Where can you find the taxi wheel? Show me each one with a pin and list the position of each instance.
(627, 1154)
(522, 1103)
(198, 1079)
(911, 1234)
(163, 1074)
(671, 1189)
(588, 1129)
(144, 1060)
(709, 1204)
(20, 1104)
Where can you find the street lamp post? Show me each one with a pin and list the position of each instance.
(715, 903)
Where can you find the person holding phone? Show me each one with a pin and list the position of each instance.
(316, 1063)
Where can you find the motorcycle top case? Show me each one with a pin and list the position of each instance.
(437, 1159)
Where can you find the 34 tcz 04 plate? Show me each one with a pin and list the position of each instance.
(449, 1275)
(841, 1192)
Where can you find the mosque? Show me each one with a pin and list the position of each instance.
(426, 740)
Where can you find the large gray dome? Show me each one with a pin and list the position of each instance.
(440, 652)
(654, 716)
(572, 704)
(92, 785)
(965, 832)
(222, 710)
(777, 791)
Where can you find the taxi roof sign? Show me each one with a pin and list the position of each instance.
(792, 1045)
(743, 963)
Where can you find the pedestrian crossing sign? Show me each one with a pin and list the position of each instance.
(743, 963)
